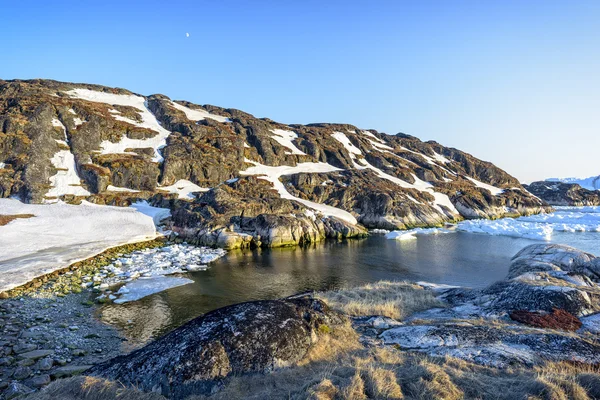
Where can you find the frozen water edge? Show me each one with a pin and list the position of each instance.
(150, 267)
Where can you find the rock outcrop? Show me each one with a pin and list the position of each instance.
(248, 337)
(234, 180)
(547, 309)
(564, 194)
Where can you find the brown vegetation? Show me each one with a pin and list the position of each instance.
(557, 319)
(5, 219)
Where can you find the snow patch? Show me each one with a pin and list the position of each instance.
(184, 189)
(492, 189)
(149, 121)
(112, 188)
(156, 213)
(272, 174)
(286, 139)
(198, 114)
(413, 233)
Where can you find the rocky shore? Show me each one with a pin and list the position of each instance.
(564, 194)
(545, 311)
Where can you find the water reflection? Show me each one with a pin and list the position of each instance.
(458, 259)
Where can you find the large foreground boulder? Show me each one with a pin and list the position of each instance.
(248, 337)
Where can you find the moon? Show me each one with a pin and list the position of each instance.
(187, 34)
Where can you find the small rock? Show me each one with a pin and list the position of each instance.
(73, 328)
(26, 362)
(78, 352)
(4, 361)
(41, 380)
(24, 348)
(16, 389)
(70, 370)
(45, 364)
(36, 354)
(22, 373)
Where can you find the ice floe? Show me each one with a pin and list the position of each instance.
(156, 213)
(413, 233)
(144, 272)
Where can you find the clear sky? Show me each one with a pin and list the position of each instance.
(512, 82)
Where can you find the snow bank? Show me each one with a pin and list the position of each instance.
(156, 213)
(112, 188)
(184, 189)
(61, 234)
(198, 114)
(272, 174)
(286, 139)
(149, 121)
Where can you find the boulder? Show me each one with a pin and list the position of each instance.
(248, 337)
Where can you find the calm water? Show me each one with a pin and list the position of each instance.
(465, 259)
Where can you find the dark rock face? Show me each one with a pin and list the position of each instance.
(249, 337)
(378, 180)
(564, 194)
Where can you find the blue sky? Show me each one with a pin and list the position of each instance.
(512, 82)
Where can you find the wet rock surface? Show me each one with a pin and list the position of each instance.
(248, 337)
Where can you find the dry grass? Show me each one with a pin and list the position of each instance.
(391, 299)
(5, 219)
(339, 367)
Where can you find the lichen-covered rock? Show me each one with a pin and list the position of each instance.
(249, 337)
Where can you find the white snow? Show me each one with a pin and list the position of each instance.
(72, 111)
(493, 189)
(61, 234)
(143, 287)
(156, 213)
(272, 174)
(2, 165)
(184, 189)
(78, 121)
(286, 139)
(198, 114)
(420, 185)
(112, 188)
(149, 121)
(66, 181)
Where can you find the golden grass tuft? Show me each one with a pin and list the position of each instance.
(391, 299)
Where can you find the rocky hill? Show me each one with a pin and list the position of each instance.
(231, 179)
(564, 194)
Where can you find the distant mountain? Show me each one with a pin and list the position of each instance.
(231, 179)
(564, 194)
(591, 183)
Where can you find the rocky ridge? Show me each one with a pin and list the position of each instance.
(564, 194)
(233, 180)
